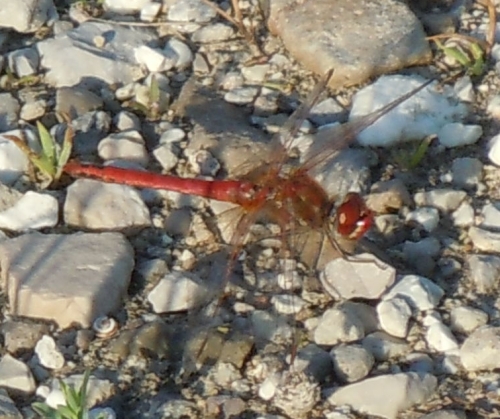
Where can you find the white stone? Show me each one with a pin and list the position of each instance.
(218, 32)
(33, 110)
(481, 350)
(457, 134)
(348, 278)
(464, 319)
(13, 162)
(26, 16)
(337, 325)
(111, 63)
(99, 206)
(420, 292)
(485, 240)
(154, 60)
(241, 95)
(125, 6)
(126, 145)
(422, 115)
(288, 303)
(166, 156)
(173, 135)
(23, 62)
(184, 54)
(255, 73)
(191, 11)
(351, 362)
(16, 376)
(427, 217)
(463, 216)
(96, 269)
(268, 388)
(177, 291)
(33, 211)
(289, 280)
(203, 163)
(443, 199)
(440, 339)
(386, 395)
(394, 315)
(150, 11)
(484, 271)
(49, 355)
(494, 150)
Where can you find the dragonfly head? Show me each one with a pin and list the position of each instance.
(353, 217)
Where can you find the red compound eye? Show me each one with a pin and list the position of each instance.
(354, 219)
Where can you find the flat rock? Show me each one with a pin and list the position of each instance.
(386, 395)
(359, 42)
(419, 292)
(26, 16)
(76, 101)
(484, 271)
(348, 278)
(16, 376)
(177, 291)
(481, 350)
(8, 409)
(384, 347)
(423, 114)
(220, 128)
(126, 145)
(22, 335)
(485, 240)
(9, 111)
(110, 63)
(70, 279)
(338, 325)
(48, 354)
(33, 211)
(99, 206)
(351, 362)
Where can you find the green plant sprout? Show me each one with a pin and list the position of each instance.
(52, 158)
(14, 82)
(410, 159)
(156, 102)
(76, 403)
(472, 57)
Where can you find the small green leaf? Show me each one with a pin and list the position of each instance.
(48, 143)
(154, 91)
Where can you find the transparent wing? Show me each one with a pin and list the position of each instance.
(284, 138)
(329, 141)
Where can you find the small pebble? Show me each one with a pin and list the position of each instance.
(457, 134)
(464, 319)
(351, 362)
(420, 292)
(49, 354)
(427, 217)
(394, 315)
(242, 95)
(467, 172)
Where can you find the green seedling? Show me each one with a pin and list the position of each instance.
(471, 58)
(13, 82)
(156, 102)
(52, 158)
(410, 159)
(76, 402)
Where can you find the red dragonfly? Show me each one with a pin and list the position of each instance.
(284, 194)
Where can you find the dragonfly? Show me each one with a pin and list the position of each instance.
(280, 191)
(314, 228)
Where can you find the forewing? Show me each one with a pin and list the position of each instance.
(329, 141)
(284, 138)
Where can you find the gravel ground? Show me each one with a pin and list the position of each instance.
(124, 282)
